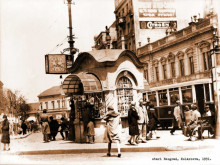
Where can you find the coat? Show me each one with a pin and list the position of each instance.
(112, 119)
(54, 125)
(177, 120)
(143, 116)
(45, 125)
(132, 121)
(90, 129)
(152, 125)
(5, 132)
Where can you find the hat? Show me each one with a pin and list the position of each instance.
(133, 103)
(207, 106)
(4, 116)
(141, 101)
(177, 101)
(110, 107)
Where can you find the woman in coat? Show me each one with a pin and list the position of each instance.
(133, 124)
(5, 133)
(112, 119)
(152, 125)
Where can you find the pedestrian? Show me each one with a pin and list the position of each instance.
(5, 139)
(112, 119)
(64, 128)
(177, 119)
(133, 124)
(91, 132)
(45, 126)
(54, 126)
(24, 127)
(153, 121)
(142, 122)
(193, 125)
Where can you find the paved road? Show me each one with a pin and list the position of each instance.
(205, 156)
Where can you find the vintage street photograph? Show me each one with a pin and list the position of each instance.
(109, 82)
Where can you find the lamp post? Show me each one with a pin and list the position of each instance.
(215, 65)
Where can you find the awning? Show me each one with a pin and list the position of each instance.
(81, 83)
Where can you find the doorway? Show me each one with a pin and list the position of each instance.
(200, 99)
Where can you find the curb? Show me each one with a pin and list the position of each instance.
(104, 150)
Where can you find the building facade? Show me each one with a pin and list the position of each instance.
(179, 67)
(55, 102)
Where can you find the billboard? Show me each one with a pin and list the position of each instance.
(58, 63)
(157, 24)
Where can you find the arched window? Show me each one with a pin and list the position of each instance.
(124, 95)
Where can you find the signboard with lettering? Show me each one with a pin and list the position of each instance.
(157, 24)
(153, 12)
(58, 63)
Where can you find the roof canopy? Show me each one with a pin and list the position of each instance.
(81, 83)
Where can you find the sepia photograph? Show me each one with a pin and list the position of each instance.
(89, 82)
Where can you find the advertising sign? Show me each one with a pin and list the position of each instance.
(157, 24)
(162, 13)
(58, 63)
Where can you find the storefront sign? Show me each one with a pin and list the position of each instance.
(154, 12)
(58, 63)
(156, 24)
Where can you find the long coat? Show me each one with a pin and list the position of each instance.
(112, 119)
(152, 125)
(5, 132)
(132, 121)
(177, 120)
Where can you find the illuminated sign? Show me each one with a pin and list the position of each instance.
(58, 63)
(157, 24)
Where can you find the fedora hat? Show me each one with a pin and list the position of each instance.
(110, 107)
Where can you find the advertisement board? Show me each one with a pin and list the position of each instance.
(157, 24)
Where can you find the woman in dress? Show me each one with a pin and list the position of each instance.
(112, 119)
(5, 133)
(133, 124)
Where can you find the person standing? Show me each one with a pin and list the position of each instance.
(112, 119)
(64, 128)
(5, 133)
(54, 126)
(177, 119)
(24, 127)
(45, 126)
(142, 122)
(133, 124)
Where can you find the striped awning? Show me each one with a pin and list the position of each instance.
(77, 84)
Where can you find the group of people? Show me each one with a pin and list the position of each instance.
(191, 116)
(50, 127)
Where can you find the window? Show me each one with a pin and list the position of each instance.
(53, 105)
(164, 72)
(191, 63)
(174, 95)
(162, 97)
(187, 94)
(146, 73)
(156, 73)
(63, 104)
(41, 106)
(207, 93)
(58, 102)
(152, 97)
(182, 70)
(46, 105)
(124, 95)
(207, 61)
(173, 71)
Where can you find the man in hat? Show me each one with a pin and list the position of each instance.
(142, 122)
(177, 120)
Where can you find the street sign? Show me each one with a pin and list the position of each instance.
(58, 63)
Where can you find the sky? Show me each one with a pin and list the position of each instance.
(30, 29)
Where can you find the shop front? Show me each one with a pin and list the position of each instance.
(101, 78)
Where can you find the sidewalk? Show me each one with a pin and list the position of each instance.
(33, 145)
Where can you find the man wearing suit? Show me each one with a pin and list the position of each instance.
(177, 120)
(142, 122)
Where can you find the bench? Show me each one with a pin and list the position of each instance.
(205, 123)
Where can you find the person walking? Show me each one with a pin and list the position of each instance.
(54, 126)
(142, 122)
(45, 126)
(64, 128)
(91, 132)
(152, 125)
(112, 119)
(24, 127)
(133, 124)
(177, 119)
(5, 139)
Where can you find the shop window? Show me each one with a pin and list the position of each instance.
(124, 95)
(207, 93)
(182, 69)
(157, 73)
(187, 94)
(162, 97)
(152, 98)
(173, 71)
(164, 72)
(174, 95)
(191, 63)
